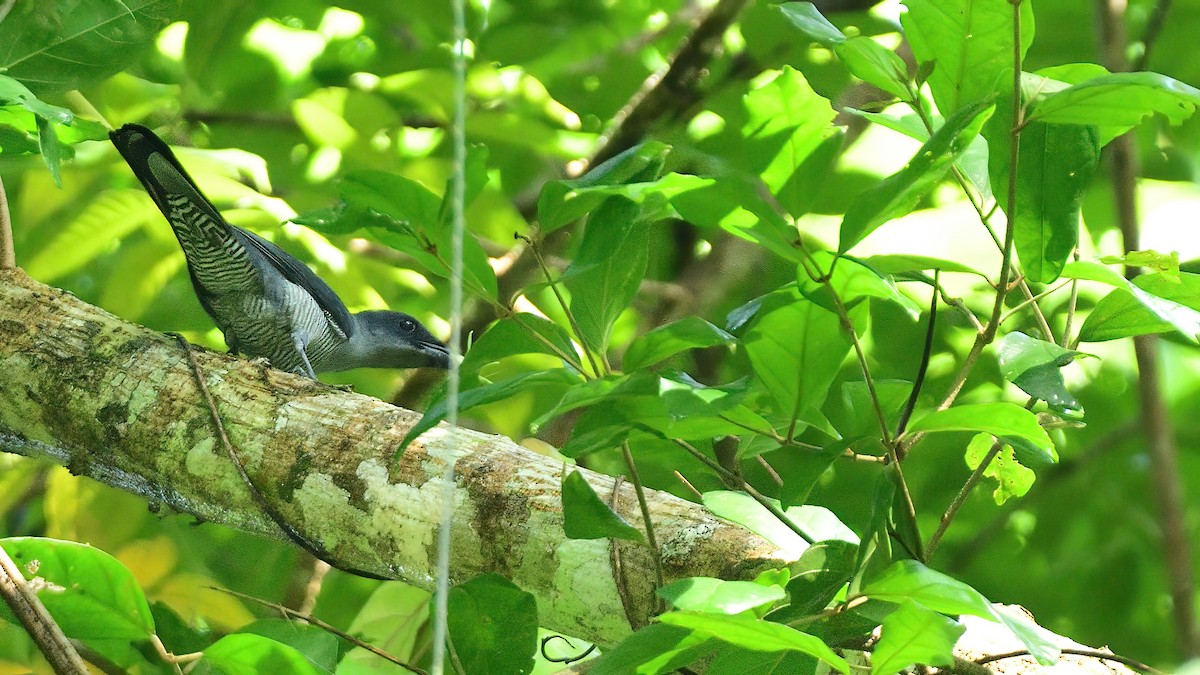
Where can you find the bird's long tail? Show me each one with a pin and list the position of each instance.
(209, 243)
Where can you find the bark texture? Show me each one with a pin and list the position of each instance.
(118, 403)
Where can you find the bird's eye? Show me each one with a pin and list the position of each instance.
(408, 325)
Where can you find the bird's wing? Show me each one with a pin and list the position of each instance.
(213, 245)
(298, 273)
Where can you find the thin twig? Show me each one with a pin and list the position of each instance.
(644, 506)
(769, 469)
(688, 485)
(312, 620)
(28, 608)
(1158, 18)
(1161, 443)
(1071, 307)
(926, 354)
(287, 528)
(1031, 300)
(1091, 653)
(618, 564)
(734, 479)
(8, 256)
(985, 338)
(565, 308)
(961, 498)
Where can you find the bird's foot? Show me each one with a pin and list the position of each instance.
(348, 388)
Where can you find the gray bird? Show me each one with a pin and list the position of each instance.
(267, 303)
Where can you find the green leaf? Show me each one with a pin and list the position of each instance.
(715, 596)
(52, 150)
(735, 205)
(901, 264)
(910, 580)
(819, 574)
(657, 648)
(998, 419)
(971, 44)
(91, 595)
(607, 270)
(899, 193)
(62, 46)
(586, 516)
(1054, 168)
(1181, 316)
(1118, 99)
(796, 348)
(520, 333)
(476, 177)
(732, 660)
(489, 393)
(787, 122)
(864, 58)
(913, 634)
(626, 174)
(1012, 478)
(673, 405)
(854, 281)
(1041, 643)
(755, 634)
(1033, 365)
(493, 625)
(319, 646)
(805, 468)
(815, 521)
(1164, 263)
(875, 64)
(13, 92)
(249, 654)
(1122, 314)
(810, 21)
(412, 224)
(666, 341)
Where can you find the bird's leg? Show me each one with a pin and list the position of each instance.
(303, 356)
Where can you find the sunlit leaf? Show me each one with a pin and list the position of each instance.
(247, 654)
(913, 634)
(666, 341)
(970, 44)
(1116, 322)
(1055, 166)
(910, 580)
(756, 634)
(585, 516)
(493, 625)
(716, 596)
(998, 419)
(60, 46)
(899, 193)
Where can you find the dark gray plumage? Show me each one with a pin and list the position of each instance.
(267, 303)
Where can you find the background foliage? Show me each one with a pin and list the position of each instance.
(301, 107)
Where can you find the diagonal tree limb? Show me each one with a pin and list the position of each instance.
(117, 402)
(26, 606)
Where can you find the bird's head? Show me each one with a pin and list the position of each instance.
(385, 339)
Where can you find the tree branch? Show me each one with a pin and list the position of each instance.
(1161, 445)
(116, 402)
(32, 614)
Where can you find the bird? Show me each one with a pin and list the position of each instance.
(267, 303)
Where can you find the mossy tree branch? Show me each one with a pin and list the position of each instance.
(118, 403)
